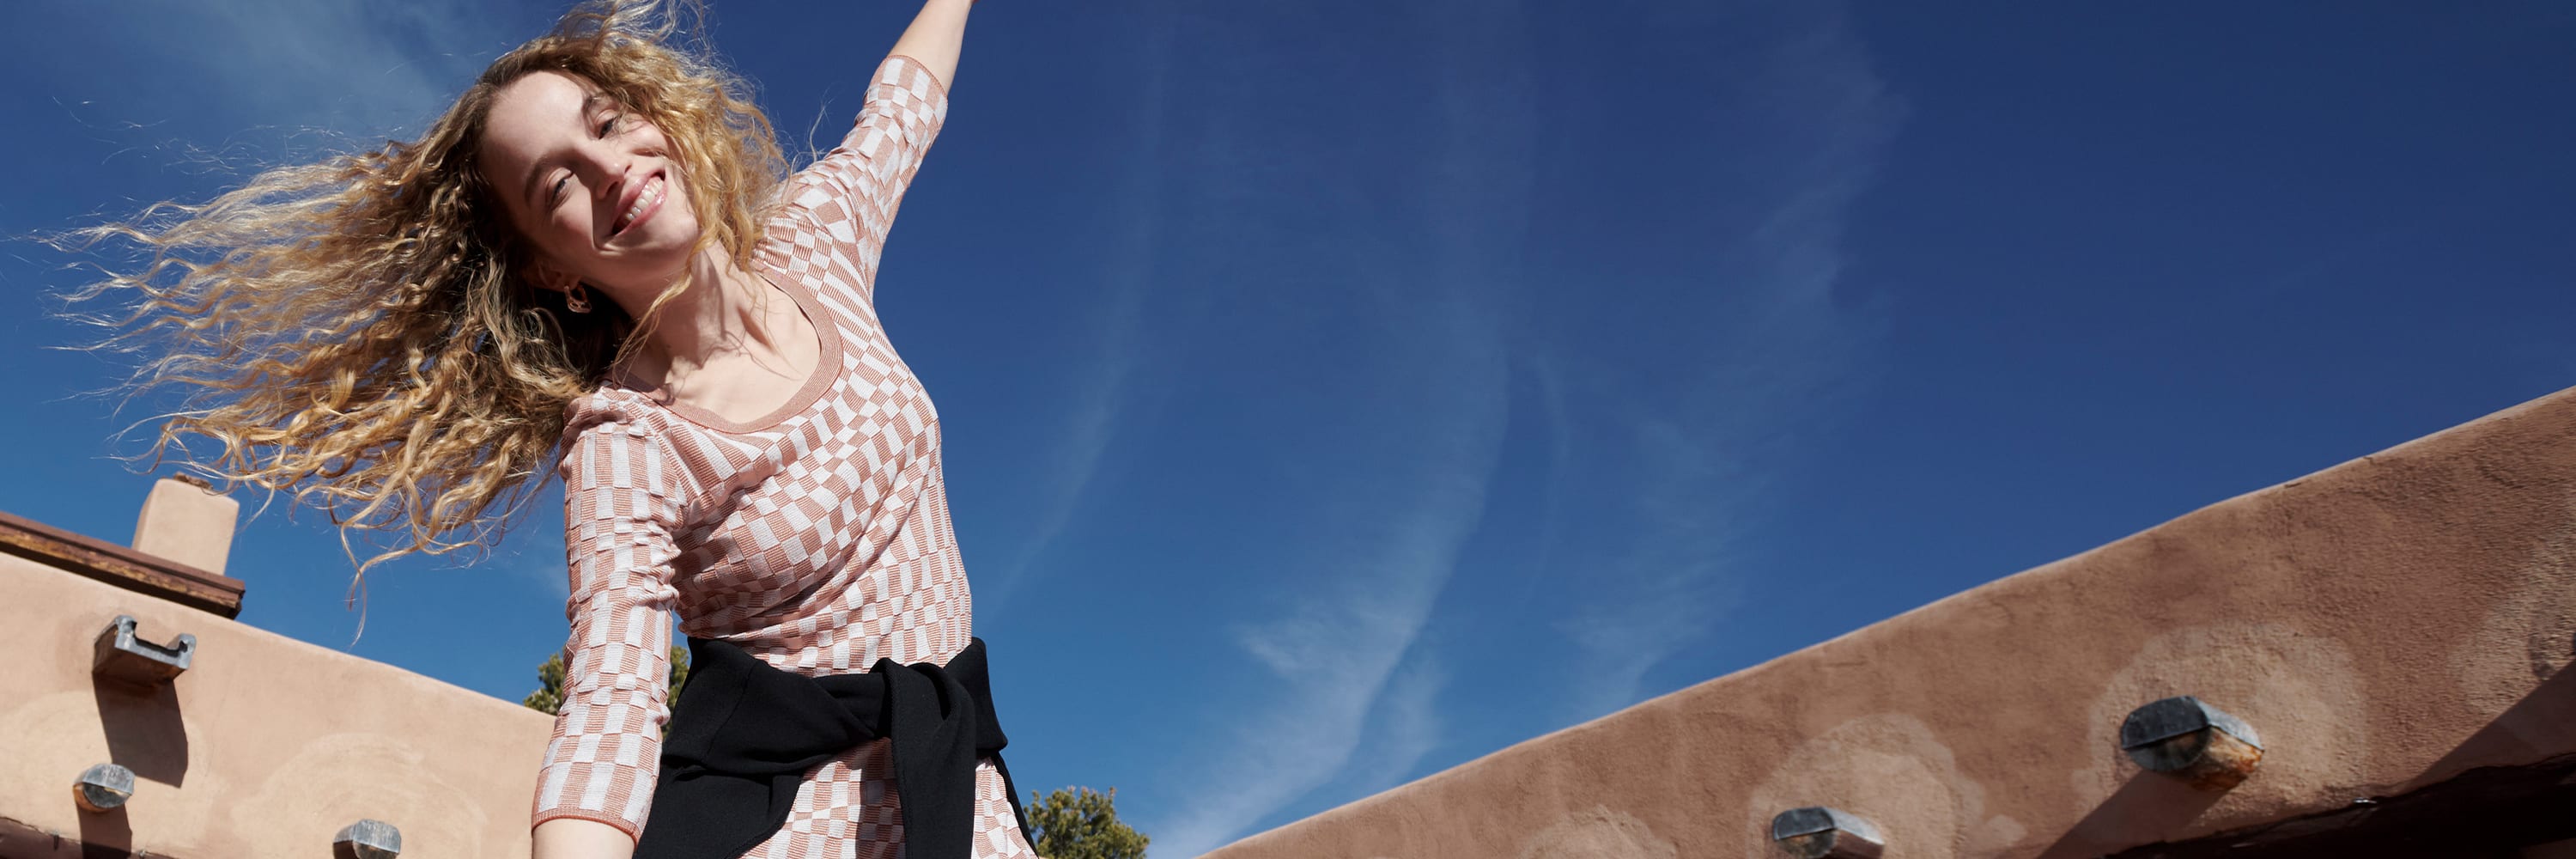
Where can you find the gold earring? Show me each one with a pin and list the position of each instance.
(577, 299)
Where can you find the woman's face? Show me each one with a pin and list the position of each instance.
(594, 188)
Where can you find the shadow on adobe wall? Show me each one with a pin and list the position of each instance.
(2471, 802)
(144, 731)
(106, 835)
(2149, 802)
(2541, 722)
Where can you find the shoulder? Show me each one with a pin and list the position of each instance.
(617, 437)
(603, 409)
(611, 418)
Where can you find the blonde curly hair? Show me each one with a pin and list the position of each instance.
(362, 332)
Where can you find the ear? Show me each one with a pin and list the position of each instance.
(546, 275)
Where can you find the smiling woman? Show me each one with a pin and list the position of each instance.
(579, 262)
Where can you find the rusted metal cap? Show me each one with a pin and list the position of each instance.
(121, 655)
(104, 787)
(1819, 832)
(2185, 737)
(367, 839)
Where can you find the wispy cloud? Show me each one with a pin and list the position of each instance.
(1102, 394)
(1406, 727)
(1777, 356)
(1357, 685)
(1089, 426)
(1335, 654)
(357, 68)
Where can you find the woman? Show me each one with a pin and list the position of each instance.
(596, 255)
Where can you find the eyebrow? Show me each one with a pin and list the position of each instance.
(537, 171)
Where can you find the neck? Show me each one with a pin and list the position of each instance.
(726, 311)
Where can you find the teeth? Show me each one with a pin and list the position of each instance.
(651, 193)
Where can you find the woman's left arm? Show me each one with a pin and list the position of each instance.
(846, 200)
(935, 37)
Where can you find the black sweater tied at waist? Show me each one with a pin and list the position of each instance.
(744, 733)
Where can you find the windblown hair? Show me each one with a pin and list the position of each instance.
(363, 332)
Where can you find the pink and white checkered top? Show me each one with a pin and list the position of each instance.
(816, 537)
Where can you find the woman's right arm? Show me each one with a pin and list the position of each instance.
(575, 838)
(621, 506)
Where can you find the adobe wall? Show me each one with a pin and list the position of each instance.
(2384, 625)
(266, 747)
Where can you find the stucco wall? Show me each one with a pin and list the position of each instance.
(2384, 625)
(266, 747)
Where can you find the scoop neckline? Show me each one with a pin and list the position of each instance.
(827, 370)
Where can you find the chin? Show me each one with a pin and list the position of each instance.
(668, 232)
(673, 226)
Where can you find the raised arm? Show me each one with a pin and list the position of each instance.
(935, 36)
(846, 200)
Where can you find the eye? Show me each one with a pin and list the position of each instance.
(559, 187)
(608, 126)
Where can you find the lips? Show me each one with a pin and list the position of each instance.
(641, 204)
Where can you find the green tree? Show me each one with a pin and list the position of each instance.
(1081, 823)
(548, 698)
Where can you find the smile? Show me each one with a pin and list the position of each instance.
(647, 201)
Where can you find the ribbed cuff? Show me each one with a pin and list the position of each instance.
(622, 824)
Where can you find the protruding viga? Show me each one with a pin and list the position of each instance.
(2187, 738)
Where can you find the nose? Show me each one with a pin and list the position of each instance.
(604, 168)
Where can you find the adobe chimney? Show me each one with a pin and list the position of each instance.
(186, 521)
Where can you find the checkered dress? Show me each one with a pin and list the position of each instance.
(816, 537)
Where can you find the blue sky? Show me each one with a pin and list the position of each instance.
(1338, 391)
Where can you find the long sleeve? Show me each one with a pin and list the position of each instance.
(621, 507)
(850, 195)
